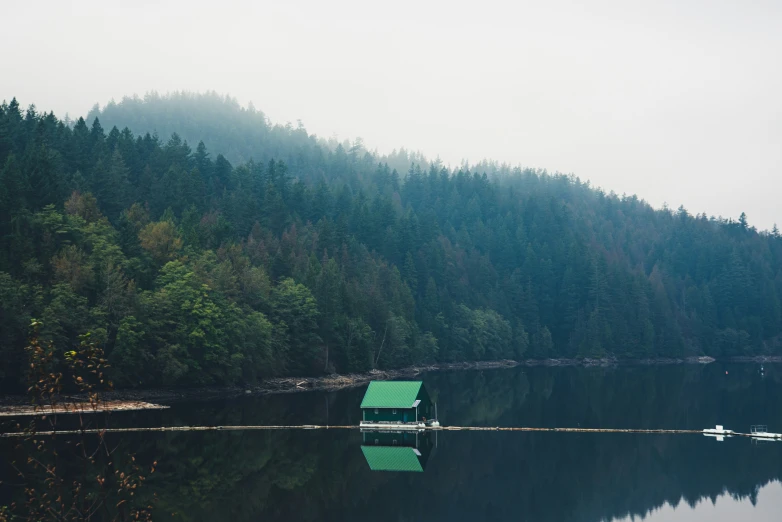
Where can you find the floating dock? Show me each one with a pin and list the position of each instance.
(395, 426)
(760, 431)
(719, 432)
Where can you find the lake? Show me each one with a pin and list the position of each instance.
(324, 475)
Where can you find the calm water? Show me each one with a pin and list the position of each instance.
(323, 475)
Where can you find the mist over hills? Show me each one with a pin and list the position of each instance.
(223, 249)
(238, 133)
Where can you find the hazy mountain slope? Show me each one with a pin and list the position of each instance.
(240, 134)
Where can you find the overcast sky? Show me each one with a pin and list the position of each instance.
(678, 101)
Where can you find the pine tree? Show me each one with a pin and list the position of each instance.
(112, 187)
(410, 273)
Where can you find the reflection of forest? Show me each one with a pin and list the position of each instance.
(323, 475)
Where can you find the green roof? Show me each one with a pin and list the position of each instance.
(391, 394)
(391, 458)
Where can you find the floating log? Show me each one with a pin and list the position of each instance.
(327, 427)
(82, 407)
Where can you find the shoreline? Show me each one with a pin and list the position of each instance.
(154, 397)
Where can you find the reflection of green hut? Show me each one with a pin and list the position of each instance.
(386, 451)
(389, 458)
(396, 402)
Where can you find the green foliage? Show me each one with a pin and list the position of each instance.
(17, 301)
(480, 335)
(161, 241)
(295, 310)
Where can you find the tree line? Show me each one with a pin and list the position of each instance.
(314, 257)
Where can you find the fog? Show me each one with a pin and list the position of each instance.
(676, 101)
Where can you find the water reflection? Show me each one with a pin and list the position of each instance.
(405, 451)
(726, 508)
(326, 476)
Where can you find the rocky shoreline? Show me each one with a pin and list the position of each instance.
(338, 382)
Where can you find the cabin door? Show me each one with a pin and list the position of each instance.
(404, 417)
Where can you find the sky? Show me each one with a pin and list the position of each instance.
(677, 101)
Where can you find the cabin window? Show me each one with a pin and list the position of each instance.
(377, 441)
(376, 411)
(393, 442)
(393, 411)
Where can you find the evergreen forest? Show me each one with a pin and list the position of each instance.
(201, 245)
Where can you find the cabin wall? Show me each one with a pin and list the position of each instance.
(388, 415)
(425, 409)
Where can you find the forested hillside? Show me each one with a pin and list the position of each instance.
(304, 258)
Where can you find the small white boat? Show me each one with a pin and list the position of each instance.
(719, 432)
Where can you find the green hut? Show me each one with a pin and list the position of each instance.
(396, 402)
